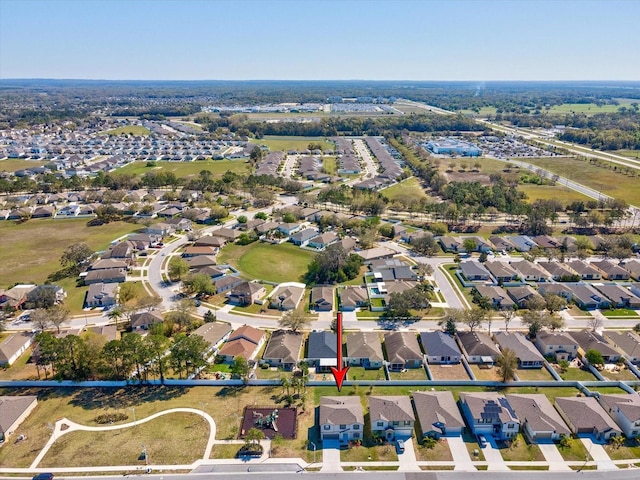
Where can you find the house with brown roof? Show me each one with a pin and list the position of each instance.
(214, 333)
(194, 251)
(244, 342)
(497, 296)
(489, 413)
(210, 241)
(364, 350)
(391, 417)
(228, 234)
(341, 418)
(609, 271)
(352, 297)
(201, 261)
(502, 271)
(625, 410)
(538, 419)
(403, 350)
(559, 271)
(286, 297)
(438, 414)
(106, 263)
(12, 347)
(527, 354)
(585, 417)
(531, 272)
(620, 297)
(628, 343)
(144, 320)
(107, 275)
(13, 411)
(322, 298)
(522, 295)
(283, 349)
(633, 267)
(478, 347)
(588, 340)
(586, 271)
(227, 282)
(246, 293)
(323, 240)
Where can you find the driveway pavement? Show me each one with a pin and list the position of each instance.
(460, 454)
(407, 460)
(493, 456)
(331, 456)
(598, 454)
(553, 457)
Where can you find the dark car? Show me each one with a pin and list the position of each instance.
(43, 476)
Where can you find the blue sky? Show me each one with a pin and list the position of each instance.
(330, 39)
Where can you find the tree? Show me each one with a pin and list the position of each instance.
(556, 322)
(333, 265)
(158, 345)
(199, 283)
(536, 303)
(425, 245)
(424, 270)
(148, 303)
(294, 320)
(242, 219)
(127, 292)
(469, 245)
(452, 316)
(474, 317)
(261, 216)
(115, 314)
(253, 437)
(209, 316)
(555, 303)
(40, 319)
(507, 363)
(636, 328)
(182, 313)
(240, 368)
(58, 315)
(536, 320)
(595, 323)
(178, 268)
(594, 357)
(507, 315)
(188, 354)
(75, 256)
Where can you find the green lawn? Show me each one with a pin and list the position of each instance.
(377, 453)
(31, 251)
(13, 164)
(129, 129)
(406, 190)
(282, 143)
(549, 192)
(359, 373)
(625, 153)
(620, 312)
(487, 165)
(187, 169)
(410, 374)
(275, 263)
(586, 108)
(329, 165)
(575, 452)
(519, 450)
(574, 373)
(534, 374)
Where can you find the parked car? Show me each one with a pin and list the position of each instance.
(482, 441)
(43, 476)
(400, 446)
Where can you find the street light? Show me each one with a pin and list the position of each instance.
(314, 451)
(133, 409)
(144, 452)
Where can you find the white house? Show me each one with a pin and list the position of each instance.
(341, 418)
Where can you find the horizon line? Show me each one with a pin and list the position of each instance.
(305, 80)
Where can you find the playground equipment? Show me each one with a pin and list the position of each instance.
(266, 422)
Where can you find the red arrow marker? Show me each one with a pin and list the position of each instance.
(339, 372)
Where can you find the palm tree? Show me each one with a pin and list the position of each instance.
(115, 314)
(507, 364)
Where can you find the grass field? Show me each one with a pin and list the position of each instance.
(406, 190)
(276, 143)
(487, 165)
(440, 452)
(574, 373)
(13, 164)
(586, 108)
(607, 181)
(575, 452)
(625, 153)
(187, 169)
(548, 192)
(31, 250)
(129, 129)
(274, 263)
(534, 374)
(359, 373)
(329, 165)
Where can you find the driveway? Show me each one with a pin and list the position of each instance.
(460, 454)
(331, 456)
(407, 460)
(598, 454)
(553, 457)
(493, 456)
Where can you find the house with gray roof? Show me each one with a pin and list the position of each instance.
(323, 240)
(627, 343)
(502, 244)
(522, 242)
(214, 333)
(625, 410)
(633, 267)
(588, 340)
(107, 275)
(12, 347)
(585, 417)
(451, 244)
(402, 350)
(502, 271)
(440, 348)
(496, 295)
(530, 271)
(391, 417)
(227, 282)
(586, 271)
(620, 296)
(144, 320)
(364, 350)
(322, 298)
(283, 349)
(101, 295)
(14, 410)
(474, 271)
(438, 414)
(478, 347)
(286, 297)
(538, 419)
(527, 354)
(609, 271)
(587, 297)
(559, 271)
(522, 295)
(322, 350)
(246, 293)
(352, 297)
(303, 236)
(490, 413)
(559, 344)
(341, 418)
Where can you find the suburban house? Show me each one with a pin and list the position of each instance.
(402, 350)
(502, 271)
(322, 299)
(13, 346)
(522, 242)
(322, 350)
(588, 340)
(341, 418)
(303, 236)
(364, 350)
(478, 347)
(546, 241)
(286, 297)
(106, 263)
(586, 271)
(244, 342)
(353, 297)
(438, 414)
(628, 343)
(288, 228)
(283, 349)
(196, 251)
(527, 354)
(587, 297)
(530, 272)
(227, 282)
(538, 418)
(522, 295)
(502, 244)
(620, 297)
(609, 271)
(625, 410)
(498, 296)
(586, 417)
(490, 413)
(391, 417)
(229, 234)
(559, 271)
(214, 333)
(440, 348)
(323, 240)
(474, 271)
(101, 295)
(210, 241)
(451, 245)
(246, 293)
(561, 345)
(633, 267)
(13, 411)
(144, 320)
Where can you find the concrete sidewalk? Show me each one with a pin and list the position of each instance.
(460, 454)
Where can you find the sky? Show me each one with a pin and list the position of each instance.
(321, 40)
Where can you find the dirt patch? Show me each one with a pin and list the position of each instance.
(448, 372)
(270, 420)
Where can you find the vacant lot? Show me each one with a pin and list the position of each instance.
(276, 143)
(274, 263)
(449, 372)
(609, 182)
(188, 169)
(129, 130)
(405, 191)
(586, 108)
(485, 373)
(31, 250)
(548, 192)
(13, 164)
